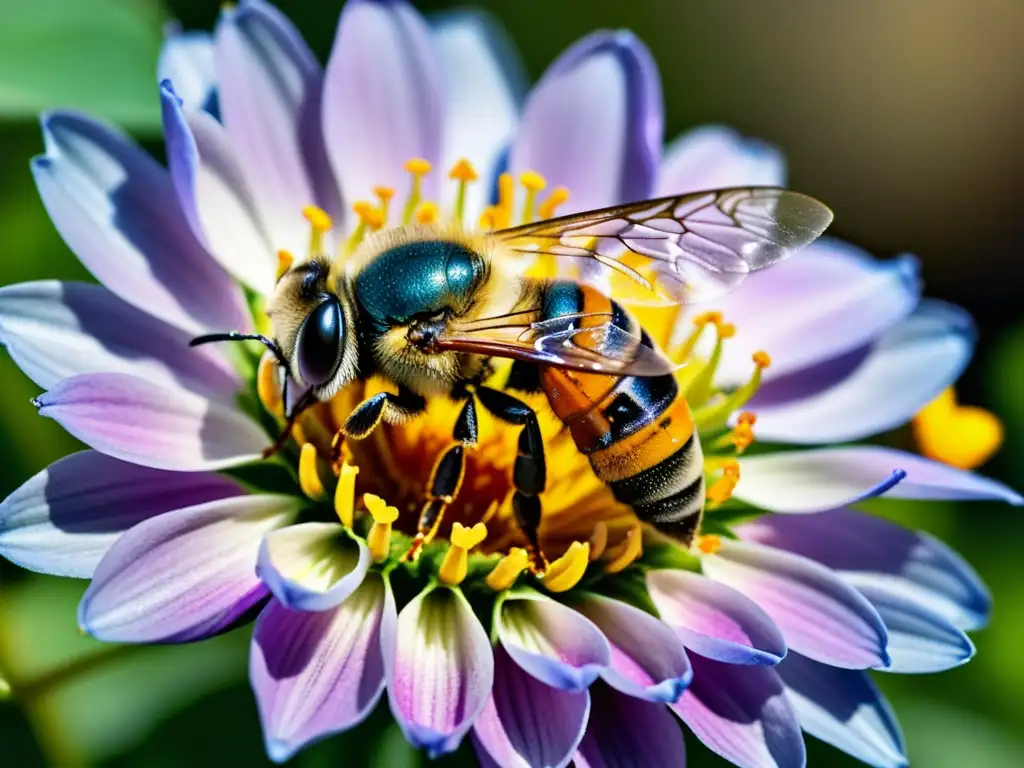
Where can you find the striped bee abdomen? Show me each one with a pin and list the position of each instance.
(637, 432)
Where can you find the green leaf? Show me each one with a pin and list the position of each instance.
(98, 56)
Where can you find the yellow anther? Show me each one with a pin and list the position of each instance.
(284, 263)
(417, 166)
(309, 473)
(318, 218)
(379, 538)
(762, 359)
(558, 196)
(345, 494)
(598, 540)
(508, 569)
(714, 317)
(463, 171)
(721, 490)
(731, 467)
(533, 182)
(268, 384)
(456, 559)
(565, 572)
(384, 194)
(746, 417)
(726, 330)
(371, 218)
(742, 436)
(427, 213)
(627, 551)
(709, 544)
(961, 436)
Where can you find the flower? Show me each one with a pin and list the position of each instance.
(766, 626)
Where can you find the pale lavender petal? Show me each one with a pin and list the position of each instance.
(594, 122)
(551, 641)
(844, 708)
(921, 641)
(904, 371)
(829, 300)
(526, 722)
(875, 551)
(64, 519)
(648, 660)
(383, 99)
(150, 424)
(270, 101)
(439, 669)
(819, 614)
(715, 620)
(820, 480)
(742, 714)
(215, 195)
(482, 81)
(183, 575)
(716, 157)
(313, 566)
(317, 673)
(54, 330)
(624, 731)
(115, 207)
(186, 59)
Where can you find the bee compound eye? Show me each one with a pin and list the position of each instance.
(319, 343)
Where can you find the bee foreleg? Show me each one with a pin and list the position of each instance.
(382, 406)
(445, 480)
(529, 473)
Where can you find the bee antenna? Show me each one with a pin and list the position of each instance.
(270, 344)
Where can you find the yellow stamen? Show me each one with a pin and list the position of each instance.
(309, 474)
(709, 544)
(321, 224)
(961, 436)
(345, 494)
(370, 218)
(740, 438)
(558, 196)
(626, 552)
(456, 559)
(598, 540)
(268, 385)
(489, 218)
(426, 213)
(284, 263)
(417, 167)
(464, 173)
(702, 386)
(379, 538)
(508, 569)
(533, 182)
(384, 194)
(700, 322)
(721, 490)
(717, 416)
(566, 572)
(506, 196)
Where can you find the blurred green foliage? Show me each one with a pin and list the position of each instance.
(77, 702)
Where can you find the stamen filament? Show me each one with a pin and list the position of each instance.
(384, 194)
(700, 322)
(417, 167)
(464, 173)
(702, 386)
(717, 416)
(370, 218)
(533, 182)
(565, 572)
(502, 212)
(456, 560)
(558, 196)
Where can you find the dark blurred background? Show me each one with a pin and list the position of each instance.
(904, 115)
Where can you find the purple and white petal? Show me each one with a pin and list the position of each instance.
(828, 478)
(526, 722)
(183, 575)
(828, 301)
(270, 101)
(482, 83)
(64, 519)
(383, 99)
(115, 207)
(54, 330)
(439, 669)
(903, 372)
(625, 731)
(648, 660)
(820, 615)
(151, 424)
(186, 59)
(742, 714)
(312, 566)
(715, 620)
(318, 673)
(594, 122)
(214, 194)
(716, 157)
(551, 641)
(921, 641)
(876, 552)
(844, 708)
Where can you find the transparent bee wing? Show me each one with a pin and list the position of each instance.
(685, 248)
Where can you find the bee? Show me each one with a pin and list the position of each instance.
(428, 306)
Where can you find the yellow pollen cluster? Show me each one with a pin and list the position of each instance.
(721, 490)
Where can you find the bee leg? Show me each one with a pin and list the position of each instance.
(529, 473)
(383, 406)
(445, 479)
